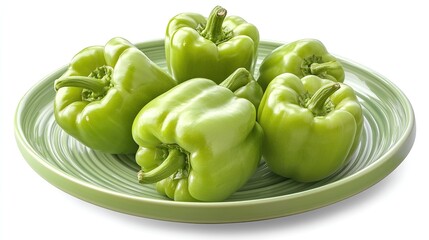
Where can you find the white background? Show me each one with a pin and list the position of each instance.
(390, 37)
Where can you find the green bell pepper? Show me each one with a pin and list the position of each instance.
(302, 57)
(102, 91)
(210, 48)
(199, 141)
(311, 126)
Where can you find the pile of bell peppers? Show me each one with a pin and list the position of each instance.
(200, 128)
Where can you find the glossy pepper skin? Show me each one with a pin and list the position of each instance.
(311, 126)
(102, 91)
(210, 48)
(198, 141)
(301, 58)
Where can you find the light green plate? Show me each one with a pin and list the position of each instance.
(110, 180)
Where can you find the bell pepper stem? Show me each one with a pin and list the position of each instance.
(174, 161)
(239, 78)
(317, 102)
(213, 30)
(319, 68)
(94, 84)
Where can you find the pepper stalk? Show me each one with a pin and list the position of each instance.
(242, 83)
(213, 30)
(317, 103)
(314, 65)
(95, 85)
(175, 160)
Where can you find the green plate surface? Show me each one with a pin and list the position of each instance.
(110, 180)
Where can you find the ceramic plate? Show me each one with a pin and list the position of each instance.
(110, 180)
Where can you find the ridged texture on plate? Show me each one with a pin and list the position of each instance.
(389, 121)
